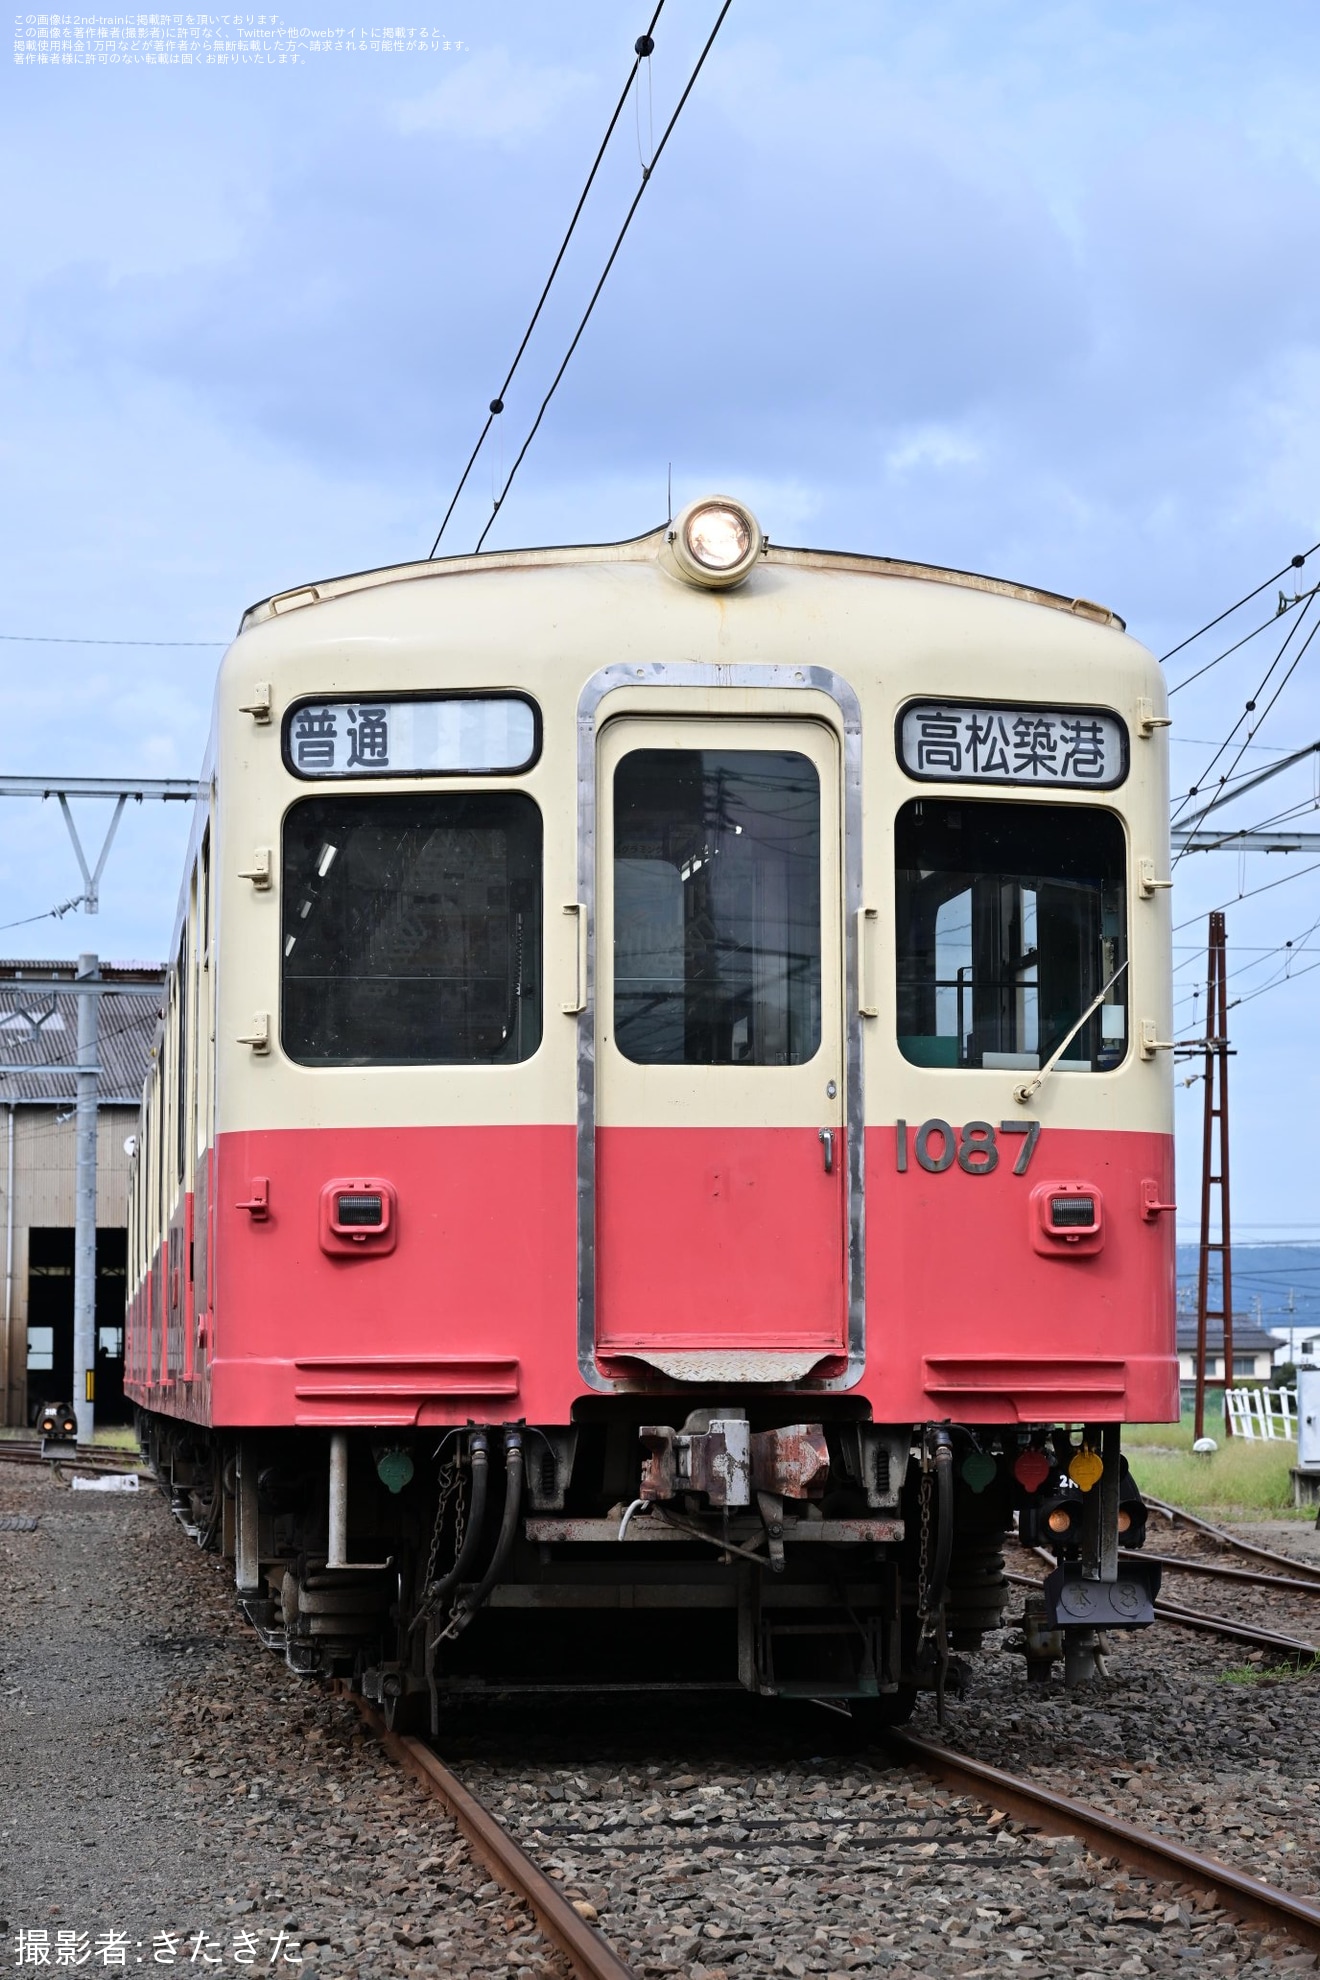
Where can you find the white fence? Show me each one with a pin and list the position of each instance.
(1268, 1413)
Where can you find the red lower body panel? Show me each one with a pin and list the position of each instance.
(719, 1238)
(471, 1313)
(968, 1319)
(973, 1314)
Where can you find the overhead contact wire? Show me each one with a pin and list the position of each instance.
(1293, 564)
(1287, 605)
(1299, 873)
(595, 294)
(1250, 709)
(57, 639)
(497, 403)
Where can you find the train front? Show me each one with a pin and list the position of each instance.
(691, 1152)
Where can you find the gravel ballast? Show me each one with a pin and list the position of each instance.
(165, 1777)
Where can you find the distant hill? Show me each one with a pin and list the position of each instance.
(1283, 1278)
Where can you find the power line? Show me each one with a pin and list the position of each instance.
(1293, 564)
(1249, 996)
(1238, 948)
(1297, 947)
(1298, 874)
(58, 639)
(51, 914)
(1249, 709)
(642, 51)
(1285, 605)
(1207, 742)
(595, 294)
(1289, 949)
(1221, 838)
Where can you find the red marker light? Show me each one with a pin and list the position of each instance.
(1031, 1470)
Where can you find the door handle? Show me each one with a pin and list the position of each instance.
(826, 1139)
(867, 919)
(578, 1002)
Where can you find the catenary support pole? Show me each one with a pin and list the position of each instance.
(1214, 1148)
(84, 1236)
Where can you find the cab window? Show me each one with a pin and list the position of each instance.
(1011, 920)
(412, 930)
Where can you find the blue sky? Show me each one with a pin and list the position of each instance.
(1029, 288)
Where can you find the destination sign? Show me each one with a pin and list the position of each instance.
(411, 736)
(995, 743)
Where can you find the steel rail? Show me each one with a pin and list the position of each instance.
(1265, 1639)
(588, 1953)
(1206, 1625)
(1247, 1897)
(1216, 1571)
(1226, 1539)
(101, 1460)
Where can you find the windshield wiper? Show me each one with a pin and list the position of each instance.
(1022, 1094)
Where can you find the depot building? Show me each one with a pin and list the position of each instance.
(38, 1169)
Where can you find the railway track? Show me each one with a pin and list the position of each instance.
(588, 1953)
(785, 1849)
(1010, 1810)
(1006, 1828)
(29, 1451)
(1183, 1616)
(1141, 1849)
(1177, 1516)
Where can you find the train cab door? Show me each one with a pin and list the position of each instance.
(721, 1247)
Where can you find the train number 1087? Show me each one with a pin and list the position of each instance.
(974, 1147)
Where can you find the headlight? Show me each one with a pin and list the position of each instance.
(715, 542)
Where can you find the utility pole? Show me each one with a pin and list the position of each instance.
(84, 1235)
(119, 791)
(1214, 1146)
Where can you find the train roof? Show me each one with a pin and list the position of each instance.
(646, 549)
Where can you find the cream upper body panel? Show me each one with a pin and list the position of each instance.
(545, 624)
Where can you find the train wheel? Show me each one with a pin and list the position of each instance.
(871, 1716)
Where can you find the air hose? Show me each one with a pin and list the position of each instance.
(468, 1604)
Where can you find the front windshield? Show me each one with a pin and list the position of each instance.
(412, 929)
(1011, 919)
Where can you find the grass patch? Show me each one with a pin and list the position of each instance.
(1242, 1475)
(1169, 1436)
(1264, 1673)
(117, 1436)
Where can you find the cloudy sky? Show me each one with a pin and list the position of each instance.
(1027, 288)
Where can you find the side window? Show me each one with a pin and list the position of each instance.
(1011, 920)
(181, 1057)
(412, 929)
(204, 898)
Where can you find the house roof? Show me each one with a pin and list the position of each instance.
(39, 1028)
(1248, 1336)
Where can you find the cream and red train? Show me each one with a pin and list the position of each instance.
(659, 1144)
